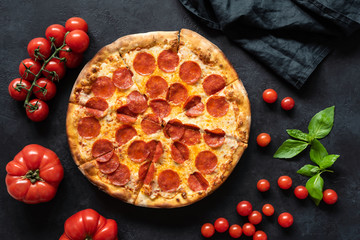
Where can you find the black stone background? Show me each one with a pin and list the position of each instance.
(335, 82)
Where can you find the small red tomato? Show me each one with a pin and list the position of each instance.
(37, 111)
(235, 231)
(39, 48)
(73, 59)
(263, 139)
(260, 235)
(54, 70)
(77, 40)
(17, 89)
(244, 208)
(248, 229)
(330, 196)
(76, 23)
(268, 210)
(57, 32)
(207, 230)
(263, 185)
(48, 91)
(287, 103)
(269, 95)
(221, 225)
(255, 217)
(301, 192)
(33, 66)
(284, 182)
(285, 220)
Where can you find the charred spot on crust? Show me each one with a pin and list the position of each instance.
(184, 195)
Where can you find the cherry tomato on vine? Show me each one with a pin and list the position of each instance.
(301, 192)
(73, 59)
(260, 235)
(76, 23)
(244, 208)
(287, 103)
(268, 210)
(54, 65)
(221, 225)
(48, 85)
(285, 220)
(39, 48)
(207, 230)
(17, 89)
(263, 185)
(235, 231)
(248, 229)
(330, 196)
(269, 95)
(77, 40)
(57, 32)
(263, 139)
(285, 182)
(38, 111)
(255, 217)
(30, 64)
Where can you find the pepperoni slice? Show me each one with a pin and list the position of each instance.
(121, 176)
(103, 87)
(138, 151)
(143, 169)
(206, 162)
(144, 63)
(88, 127)
(177, 93)
(122, 78)
(160, 107)
(179, 152)
(106, 157)
(109, 166)
(136, 102)
(217, 106)
(150, 124)
(193, 106)
(174, 129)
(214, 138)
(156, 150)
(101, 147)
(124, 134)
(213, 83)
(126, 116)
(168, 180)
(168, 61)
(96, 106)
(190, 72)
(156, 86)
(150, 174)
(191, 135)
(197, 182)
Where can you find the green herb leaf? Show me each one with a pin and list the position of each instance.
(322, 123)
(290, 148)
(317, 151)
(315, 187)
(308, 170)
(328, 161)
(295, 133)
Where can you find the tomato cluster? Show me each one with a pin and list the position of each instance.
(270, 96)
(61, 48)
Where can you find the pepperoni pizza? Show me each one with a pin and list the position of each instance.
(158, 119)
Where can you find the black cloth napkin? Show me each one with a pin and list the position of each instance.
(290, 36)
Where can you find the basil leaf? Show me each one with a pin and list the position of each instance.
(317, 151)
(328, 161)
(315, 187)
(290, 148)
(322, 123)
(295, 133)
(308, 170)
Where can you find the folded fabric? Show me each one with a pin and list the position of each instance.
(289, 36)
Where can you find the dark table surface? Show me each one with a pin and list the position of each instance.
(335, 82)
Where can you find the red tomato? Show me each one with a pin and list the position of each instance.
(263, 185)
(34, 174)
(255, 217)
(260, 235)
(269, 95)
(54, 70)
(263, 139)
(38, 111)
(301, 192)
(17, 89)
(248, 229)
(330, 196)
(268, 210)
(73, 59)
(287, 103)
(221, 225)
(207, 230)
(76, 23)
(49, 89)
(33, 66)
(77, 40)
(285, 220)
(39, 48)
(244, 208)
(284, 182)
(235, 231)
(57, 32)
(89, 224)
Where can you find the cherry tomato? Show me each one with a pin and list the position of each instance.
(287, 103)
(263, 185)
(235, 231)
(50, 87)
(57, 32)
(39, 48)
(38, 111)
(30, 64)
(77, 40)
(221, 225)
(207, 230)
(269, 95)
(76, 23)
(301, 192)
(263, 139)
(330, 196)
(248, 229)
(285, 220)
(260, 235)
(54, 65)
(284, 182)
(255, 217)
(244, 208)
(17, 89)
(73, 59)
(268, 210)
